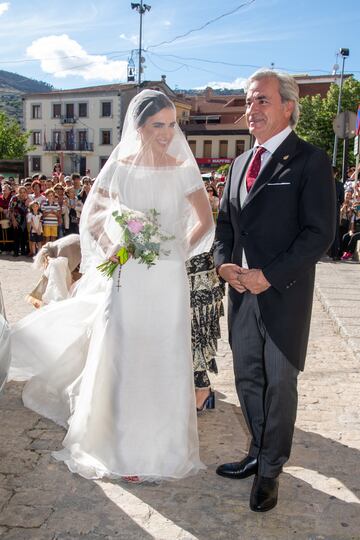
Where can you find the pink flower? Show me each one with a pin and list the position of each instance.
(135, 226)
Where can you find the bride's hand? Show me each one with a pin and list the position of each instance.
(114, 259)
(111, 253)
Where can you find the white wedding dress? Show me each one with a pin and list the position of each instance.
(114, 365)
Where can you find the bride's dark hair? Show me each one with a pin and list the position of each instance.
(149, 106)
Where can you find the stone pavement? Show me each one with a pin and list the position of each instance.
(319, 490)
(339, 292)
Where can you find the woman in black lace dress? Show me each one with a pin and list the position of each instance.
(206, 294)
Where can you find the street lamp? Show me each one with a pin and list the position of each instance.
(344, 54)
(141, 9)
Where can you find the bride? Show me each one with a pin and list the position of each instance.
(113, 364)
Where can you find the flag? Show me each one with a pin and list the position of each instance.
(71, 138)
(358, 121)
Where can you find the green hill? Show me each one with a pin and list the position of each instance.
(12, 88)
(9, 80)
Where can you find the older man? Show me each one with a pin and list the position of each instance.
(276, 220)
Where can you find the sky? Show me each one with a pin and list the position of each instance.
(195, 43)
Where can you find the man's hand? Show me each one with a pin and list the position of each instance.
(254, 280)
(231, 273)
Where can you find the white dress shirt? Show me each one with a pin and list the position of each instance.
(270, 146)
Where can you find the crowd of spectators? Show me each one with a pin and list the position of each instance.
(215, 187)
(349, 222)
(40, 209)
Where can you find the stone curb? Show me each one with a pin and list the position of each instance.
(341, 326)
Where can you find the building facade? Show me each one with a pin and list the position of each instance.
(79, 128)
(76, 128)
(217, 130)
(312, 85)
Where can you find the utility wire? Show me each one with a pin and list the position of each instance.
(231, 64)
(203, 25)
(181, 66)
(23, 60)
(187, 65)
(117, 55)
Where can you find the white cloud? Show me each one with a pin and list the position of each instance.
(4, 6)
(167, 23)
(216, 85)
(133, 39)
(62, 57)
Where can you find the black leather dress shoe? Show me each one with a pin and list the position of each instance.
(264, 493)
(239, 469)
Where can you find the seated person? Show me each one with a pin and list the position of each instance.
(59, 262)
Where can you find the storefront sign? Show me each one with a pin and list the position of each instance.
(213, 161)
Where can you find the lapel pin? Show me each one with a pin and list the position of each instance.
(286, 157)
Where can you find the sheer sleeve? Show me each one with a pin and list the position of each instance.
(97, 231)
(201, 230)
(192, 180)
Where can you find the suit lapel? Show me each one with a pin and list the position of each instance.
(240, 166)
(280, 159)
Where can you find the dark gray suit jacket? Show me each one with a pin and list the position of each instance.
(286, 225)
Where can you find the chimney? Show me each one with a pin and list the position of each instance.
(163, 78)
(208, 93)
(196, 104)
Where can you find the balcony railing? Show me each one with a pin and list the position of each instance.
(82, 146)
(68, 119)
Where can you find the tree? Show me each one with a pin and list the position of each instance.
(223, 169)
(317, 115)
(13, 141)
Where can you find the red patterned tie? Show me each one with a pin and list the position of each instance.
(254, 168)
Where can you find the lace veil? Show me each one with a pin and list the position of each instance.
(152, 152)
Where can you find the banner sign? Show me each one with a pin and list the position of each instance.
(213, 161)
(358, 121)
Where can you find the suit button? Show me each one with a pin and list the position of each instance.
(244, 233)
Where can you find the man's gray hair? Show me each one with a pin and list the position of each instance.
(288, 88)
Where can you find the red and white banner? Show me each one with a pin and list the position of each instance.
(213, 161)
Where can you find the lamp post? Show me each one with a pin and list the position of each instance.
(141, 9)
(344, 54)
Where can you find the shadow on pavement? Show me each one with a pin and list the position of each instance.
(205, 507)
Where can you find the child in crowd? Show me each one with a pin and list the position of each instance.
(61, 199)
(75, 208)
(34, 222)
(51, 216)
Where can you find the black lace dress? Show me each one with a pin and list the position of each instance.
(206, 294)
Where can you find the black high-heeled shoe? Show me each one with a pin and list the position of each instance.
(209, 402)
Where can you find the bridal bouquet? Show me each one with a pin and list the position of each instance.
(141, 238)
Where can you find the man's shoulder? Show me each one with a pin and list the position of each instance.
(309, 148)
